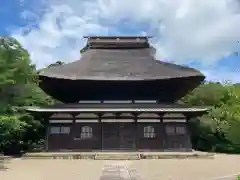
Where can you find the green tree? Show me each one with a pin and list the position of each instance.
(11, 132)
(16, 70)
(57, 63)
(84, 49)
(218, 130)
(208, 94)
(18, 87)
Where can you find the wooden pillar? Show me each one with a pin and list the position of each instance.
(46, 137)
(47, 130)
(188, 133)
(136, 131)
(101, 130)
(72, 131)
(163, 132)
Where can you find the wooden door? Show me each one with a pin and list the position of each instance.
(177, 137)
(127, 136)
(110, 136)
(118, 136)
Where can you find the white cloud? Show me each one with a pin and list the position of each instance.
(185, 30)
(222, 76)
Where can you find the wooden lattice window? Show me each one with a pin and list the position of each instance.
(55, 130)
(86, 132)
(59, 130)
(180, 130)
(149, 132)
(175, 130)
(65, 130)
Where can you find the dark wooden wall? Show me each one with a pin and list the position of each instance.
(108, 136)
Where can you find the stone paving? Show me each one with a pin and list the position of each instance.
(223, 167)
(119, 170)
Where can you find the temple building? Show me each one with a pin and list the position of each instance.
(118, 97)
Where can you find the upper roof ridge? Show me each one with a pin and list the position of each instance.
(117, 42)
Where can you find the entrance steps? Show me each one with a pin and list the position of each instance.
(117, 156)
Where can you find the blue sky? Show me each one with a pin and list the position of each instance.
(204, 37)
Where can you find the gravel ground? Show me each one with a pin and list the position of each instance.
(223, 167)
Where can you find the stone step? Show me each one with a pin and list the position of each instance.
(117, 156)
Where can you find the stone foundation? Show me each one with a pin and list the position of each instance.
(118, 155)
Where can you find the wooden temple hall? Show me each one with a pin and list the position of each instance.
(118, 97)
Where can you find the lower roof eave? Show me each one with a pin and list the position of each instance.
(88, 110)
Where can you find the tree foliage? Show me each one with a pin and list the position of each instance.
(18, 87)
(84, 49)
(57, 63)
(218, 130)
